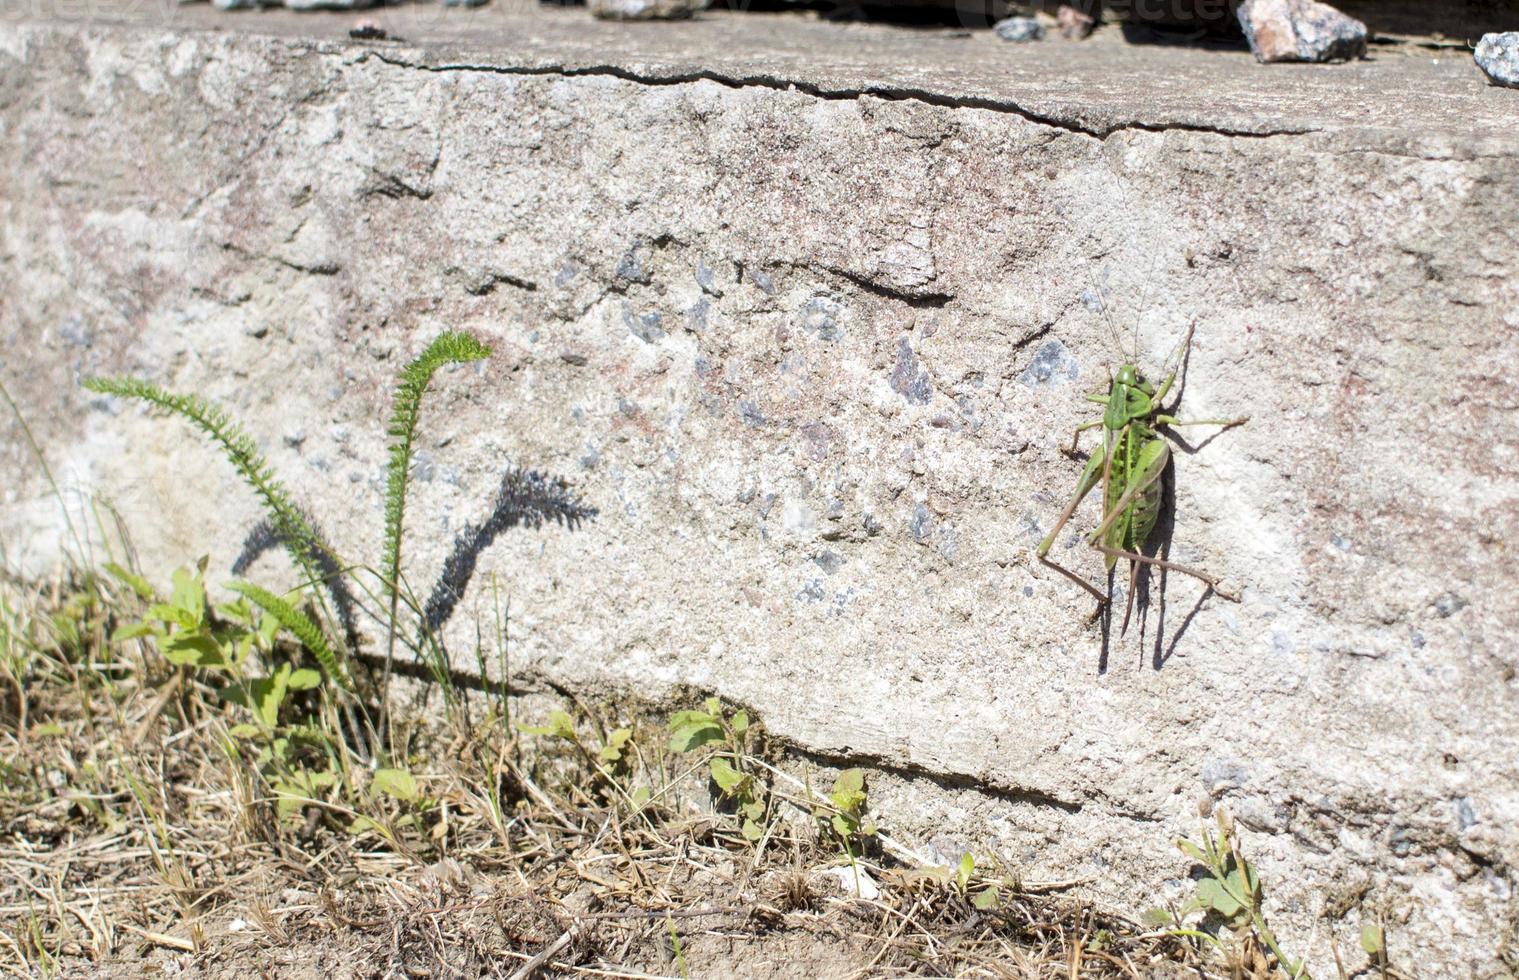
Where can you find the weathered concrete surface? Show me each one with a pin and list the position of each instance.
(821, 473)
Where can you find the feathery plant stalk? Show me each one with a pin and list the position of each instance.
(448, 348)
(299, 624)
(297, 535)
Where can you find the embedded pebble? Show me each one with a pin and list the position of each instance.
(1052, 365)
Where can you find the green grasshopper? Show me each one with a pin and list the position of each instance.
(1129, 469)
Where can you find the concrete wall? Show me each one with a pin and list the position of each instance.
(814, 352)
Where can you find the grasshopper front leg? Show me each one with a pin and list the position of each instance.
(1090, 477)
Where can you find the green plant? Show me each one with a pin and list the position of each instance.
(847, 818)
(611, 760)
(289, 526)
(448, 348)
(984, 898)
(234, 645)
(729, 767)
(1228, 892)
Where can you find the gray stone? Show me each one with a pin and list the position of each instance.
(647, 327)
(306, 5)
(819, 316)
(1498, 57)
(1019, 29)
(908, 379)
(644, 9)
(1051, 365)
(1300, 30)
(561, 140)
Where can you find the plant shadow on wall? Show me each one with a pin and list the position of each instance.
(1130, 470)
(322, 615)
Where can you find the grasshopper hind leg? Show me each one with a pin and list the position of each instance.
(1210, 581)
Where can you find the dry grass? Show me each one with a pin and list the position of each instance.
(137, 837)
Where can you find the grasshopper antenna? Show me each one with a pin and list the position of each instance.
(1144, 303)
(1113, 331)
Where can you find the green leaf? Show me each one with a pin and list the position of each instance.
(239, 449)
(245, 731)
(714, 707)
(1217, 897)
(395, 782)
(641, 795)
(964, 870)
(132, 631)
(1372, 940)
(694, 735)
(360, 825)
(298, 623)
(189, 594)
(1192, 851)
(194, 650)
(752, 831)
(131, 580)
(727, 778)
(48, 729)
(849, 791)
(449, 347)
(262, 695)
(305, 679)
(173, 615)
(986, 899)
(560, 725)
(616, 740)
(1158, 917)
(740, 722)
(754, 810)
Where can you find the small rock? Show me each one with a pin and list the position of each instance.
(572, 357)
(1019, 29)
(366, 29)
(1498, 57)
(1300, 30)
(644, 9)
(329, 4)
(465, 3)
(1075, 23)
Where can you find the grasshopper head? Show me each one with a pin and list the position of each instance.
(1129, 377)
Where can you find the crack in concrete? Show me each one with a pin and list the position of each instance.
(890, 93)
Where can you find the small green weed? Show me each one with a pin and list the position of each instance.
(731, 767)
(1229, 894)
